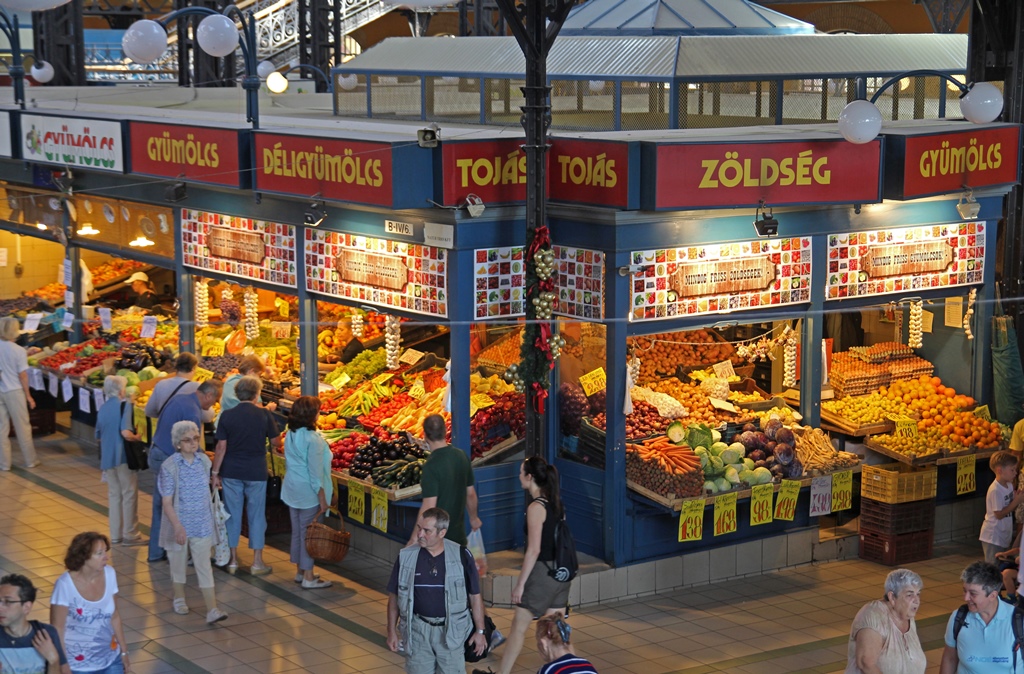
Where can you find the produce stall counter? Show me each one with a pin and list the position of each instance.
(676, 504)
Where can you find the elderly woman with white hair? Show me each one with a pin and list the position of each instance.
(188, 524)
(15, 397)
(883, 638)
(115, 423)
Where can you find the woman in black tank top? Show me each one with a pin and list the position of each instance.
(537, 593)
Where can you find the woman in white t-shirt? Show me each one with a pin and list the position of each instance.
(83, 609)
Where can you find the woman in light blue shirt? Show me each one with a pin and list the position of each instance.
(306, 488)
(115, 423)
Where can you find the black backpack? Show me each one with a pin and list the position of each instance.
(1016, 622)
(566, 563)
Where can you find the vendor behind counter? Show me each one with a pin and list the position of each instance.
(340, 347)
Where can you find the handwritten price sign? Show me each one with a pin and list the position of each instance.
(592, 382)
(821, 495)
(842, 490)
(785, 504)
(725, 514)
(356, 501)
(965, 478)
(379, 509)
(724, 369)
(691, 520)
(761, 504)
(906, 427)
(202, 374)
(983, 412)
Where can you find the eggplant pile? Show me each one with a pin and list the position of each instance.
(136, 357)
(389, 460)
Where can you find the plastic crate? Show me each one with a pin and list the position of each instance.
(897, 550)
(885, 519)
(43, 421)
(897, 483)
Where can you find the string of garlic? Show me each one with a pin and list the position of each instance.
(971, 298)
(252, 319)
(392, 340)
(789, 362)
(202, 300)
(914, 339)
(357, 325)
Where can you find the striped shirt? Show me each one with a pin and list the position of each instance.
(568, 664)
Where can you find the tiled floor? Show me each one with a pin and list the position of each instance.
(793, 621)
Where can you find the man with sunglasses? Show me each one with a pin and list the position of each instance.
(434, 602)
(26, 646)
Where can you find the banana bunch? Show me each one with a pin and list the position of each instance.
(399, 473)
(324, 344)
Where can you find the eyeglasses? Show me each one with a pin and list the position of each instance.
(194, 438)
(10, 602)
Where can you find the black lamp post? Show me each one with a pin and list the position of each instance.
(145, 41)
(535, 25)
(42, 71)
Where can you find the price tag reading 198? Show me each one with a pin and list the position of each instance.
(761, 504)
(965, 475)
(785, 504)
(725, 514)
(691, 520)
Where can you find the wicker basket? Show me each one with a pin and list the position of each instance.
(325, 543)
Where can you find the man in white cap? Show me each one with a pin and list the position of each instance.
(139, 281)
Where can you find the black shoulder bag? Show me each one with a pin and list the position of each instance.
(134, 450)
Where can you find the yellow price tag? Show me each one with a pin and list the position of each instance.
(213, 347)
(202, 374)
(965, 478)
(983, 412)
(725, 514)
(481, 400)
(379, 509)
(341, 381)
(592, 382)
(761, 504)
(382, 378)
(417, 391)
(785, 504)
(691, 520)
(356, 501)
(905, 426)
(842, 490)
(337, 501)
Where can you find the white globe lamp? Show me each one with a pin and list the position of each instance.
(860, 122)
(217, 35)
(264, 68)
(277, 83)
(348, 82)
(982, 104)
(145, 41)
(41, 72)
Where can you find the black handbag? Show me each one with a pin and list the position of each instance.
(273, 484)
(135, 451)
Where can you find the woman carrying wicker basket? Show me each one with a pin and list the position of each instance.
(306, 489)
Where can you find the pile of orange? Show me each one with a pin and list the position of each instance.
(941, 412)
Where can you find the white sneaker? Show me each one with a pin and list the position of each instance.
(300, 577)
(315, 584)
(215, 616)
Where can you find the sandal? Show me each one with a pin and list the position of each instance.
(180, 607)
(260, 570)
(231, 568)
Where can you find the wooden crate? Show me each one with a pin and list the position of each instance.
(896, 483)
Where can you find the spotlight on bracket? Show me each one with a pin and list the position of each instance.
(765, 223)
(968, 207)
(176, 192)
(315, 214)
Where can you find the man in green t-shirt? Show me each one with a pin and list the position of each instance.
(448, 481)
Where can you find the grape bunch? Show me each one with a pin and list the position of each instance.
(230, 310)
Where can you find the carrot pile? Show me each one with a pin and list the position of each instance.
(664, 467)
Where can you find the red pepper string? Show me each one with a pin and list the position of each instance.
(539, 395)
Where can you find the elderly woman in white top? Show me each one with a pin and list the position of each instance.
(883, 638)
(15, 397)
(115, 423)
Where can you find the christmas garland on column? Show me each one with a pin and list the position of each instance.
(540, 346)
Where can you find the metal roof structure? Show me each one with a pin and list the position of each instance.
(666, 58)
(679, 17)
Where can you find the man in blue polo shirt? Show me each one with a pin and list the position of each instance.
(985, 643)
(183, 407)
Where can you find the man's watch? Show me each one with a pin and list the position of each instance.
(481, 632)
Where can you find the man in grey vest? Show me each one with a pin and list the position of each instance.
(434, 602)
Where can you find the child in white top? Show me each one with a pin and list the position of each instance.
(1000, 502)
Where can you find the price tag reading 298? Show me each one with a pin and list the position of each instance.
(965, 475)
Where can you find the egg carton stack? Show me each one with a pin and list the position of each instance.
(909, 368)
(851, 376)
(882, 352)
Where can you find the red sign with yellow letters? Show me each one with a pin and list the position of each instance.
(743, 174)
(192, 153)
(948, 162)
(338, 170)
(494, 170)
(590, 172)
